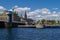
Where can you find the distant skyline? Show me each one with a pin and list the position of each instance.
(38, 9)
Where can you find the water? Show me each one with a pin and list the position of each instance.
(30, 34)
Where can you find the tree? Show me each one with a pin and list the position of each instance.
(43, 20)
(53, 21)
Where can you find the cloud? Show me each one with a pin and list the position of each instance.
(22, 9)
(38, 14)
(2, 8)
(44, 13)
(40, 11)
(15, 6)
(55, 8)
(54, 12)
(53, 16)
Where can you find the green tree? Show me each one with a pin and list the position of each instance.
(53, 21)
(43, 20)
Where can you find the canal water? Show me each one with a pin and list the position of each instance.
(30, 34)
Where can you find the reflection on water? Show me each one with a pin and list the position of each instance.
(30, 34)
(9, 34)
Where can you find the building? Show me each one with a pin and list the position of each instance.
(4, 16)
(28, 20)
(15, 17)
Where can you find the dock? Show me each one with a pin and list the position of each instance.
(30, 26)
(26, 26)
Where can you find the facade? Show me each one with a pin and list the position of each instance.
(15, 17)
(4, 16)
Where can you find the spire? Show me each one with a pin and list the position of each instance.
(25, 15)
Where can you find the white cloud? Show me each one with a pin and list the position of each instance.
(37, 14)
(53, 16)
(54, 12)
(10, 10)
(2, 8)
(40, 11)
(55, 8)
(15, 6)
(44, 13)
(22, 9)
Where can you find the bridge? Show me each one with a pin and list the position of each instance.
(9, 20)
(13, 24)
(7, 24)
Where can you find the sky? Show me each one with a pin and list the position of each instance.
(37, 9)
(33, 4)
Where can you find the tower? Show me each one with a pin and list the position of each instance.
(9, 16)
(26, 18)
(25, 15)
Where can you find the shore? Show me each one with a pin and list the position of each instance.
(40, 26)
(26, 26)
(30, 26)
(51, 25)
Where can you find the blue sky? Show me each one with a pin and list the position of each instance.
(38, 9)
(33, 4)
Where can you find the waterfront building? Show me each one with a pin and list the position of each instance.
(4, 16)
(28, 20)
(15, 17)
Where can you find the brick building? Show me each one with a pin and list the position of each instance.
(4, 16)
